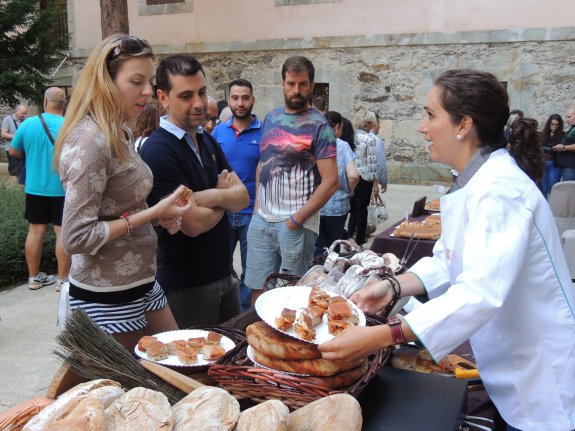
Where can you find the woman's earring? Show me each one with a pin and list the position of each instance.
(459, 137)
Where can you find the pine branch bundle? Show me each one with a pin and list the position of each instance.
(93, 354)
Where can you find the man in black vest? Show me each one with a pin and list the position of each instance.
(193, 264)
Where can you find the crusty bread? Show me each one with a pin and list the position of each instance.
(83, 414)
(145, 341)
(140, 409)
(69, 399)
(339, 412)
(185, 195)
(423, 230)
(340, 380)
(206, 409)
(312, 367)
(157, 351)
(275, 344)
(270, 415)
(212, 352)
(286, 319)
(213, 338)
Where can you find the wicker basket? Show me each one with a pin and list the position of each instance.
(237, 374)
(15, 418)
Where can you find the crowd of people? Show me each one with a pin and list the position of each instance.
(145, 259)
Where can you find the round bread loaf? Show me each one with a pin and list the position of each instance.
(140, 409)
(311, 367)
(339, 412)
(206, 408)
(275, 344)
(268, 416)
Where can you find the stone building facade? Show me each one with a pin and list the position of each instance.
(389, 73)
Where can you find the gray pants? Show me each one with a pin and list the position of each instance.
(210, 304)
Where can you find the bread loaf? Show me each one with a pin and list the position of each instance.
(206, 409)
(268, 416)
(312, 367)
(140, 409)
(340, 380)
(266, 340)
(339, 412)
(83, 414)
(104, 390)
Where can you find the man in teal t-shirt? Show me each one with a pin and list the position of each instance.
(44, 191)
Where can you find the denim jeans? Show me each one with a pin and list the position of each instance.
(551, 176)
(239, 224)
(568, 174)
(273, 248)
(330, 229)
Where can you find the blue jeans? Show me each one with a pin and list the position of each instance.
(551, 176)
(568, 174)
(239, 224)
(273, 248)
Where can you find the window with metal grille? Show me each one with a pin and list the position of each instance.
(60, 29)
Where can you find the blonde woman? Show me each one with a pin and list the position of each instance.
(107, 225)
(366, 161)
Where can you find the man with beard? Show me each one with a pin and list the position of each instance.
(240, 140)
(193, 264)
(296, 176)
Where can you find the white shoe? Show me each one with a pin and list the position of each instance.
(41, 280)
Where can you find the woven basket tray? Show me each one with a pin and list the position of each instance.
(238, 375)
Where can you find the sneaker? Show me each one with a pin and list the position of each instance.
(59, 284)
(41, 280)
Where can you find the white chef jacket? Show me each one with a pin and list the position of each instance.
(498, 277)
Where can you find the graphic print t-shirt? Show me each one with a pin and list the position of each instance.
(289, 148)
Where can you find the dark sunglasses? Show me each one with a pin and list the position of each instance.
(130, 45)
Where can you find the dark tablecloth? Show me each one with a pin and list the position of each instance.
(385, 243)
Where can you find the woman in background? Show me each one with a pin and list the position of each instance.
(334, 213)
(552, 135)
(107, 226)
(147, 124)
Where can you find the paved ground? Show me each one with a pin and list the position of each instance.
(28, 319)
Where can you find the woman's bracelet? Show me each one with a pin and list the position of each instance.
(292, 218)
(129, 227)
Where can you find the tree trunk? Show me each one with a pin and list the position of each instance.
(114, 17)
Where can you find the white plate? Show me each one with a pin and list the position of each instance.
(250, 355)
(184, 334)
(270, 304)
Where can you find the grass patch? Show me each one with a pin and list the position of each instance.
(13, 231)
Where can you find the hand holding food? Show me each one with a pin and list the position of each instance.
(355, 342)
(374, 296)
(174, 206)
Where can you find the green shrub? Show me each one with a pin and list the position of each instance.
(13, 231)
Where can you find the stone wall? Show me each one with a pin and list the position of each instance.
(393, 76)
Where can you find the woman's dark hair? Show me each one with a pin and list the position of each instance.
(480, 96)
(524, 145)
(546, 137)
(148, 121)
(348, 134)
(333, 118)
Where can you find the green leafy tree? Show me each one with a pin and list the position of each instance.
(29, 48)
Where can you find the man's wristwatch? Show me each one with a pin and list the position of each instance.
(396, 331)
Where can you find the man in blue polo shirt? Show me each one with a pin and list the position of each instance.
(240, 140)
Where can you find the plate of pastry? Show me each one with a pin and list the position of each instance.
(184, 348)
(308, 313)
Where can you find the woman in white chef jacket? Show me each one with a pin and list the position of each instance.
(498, 276)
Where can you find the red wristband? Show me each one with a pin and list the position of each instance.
(396, 331)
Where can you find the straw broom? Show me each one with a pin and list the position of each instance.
(94, 354)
